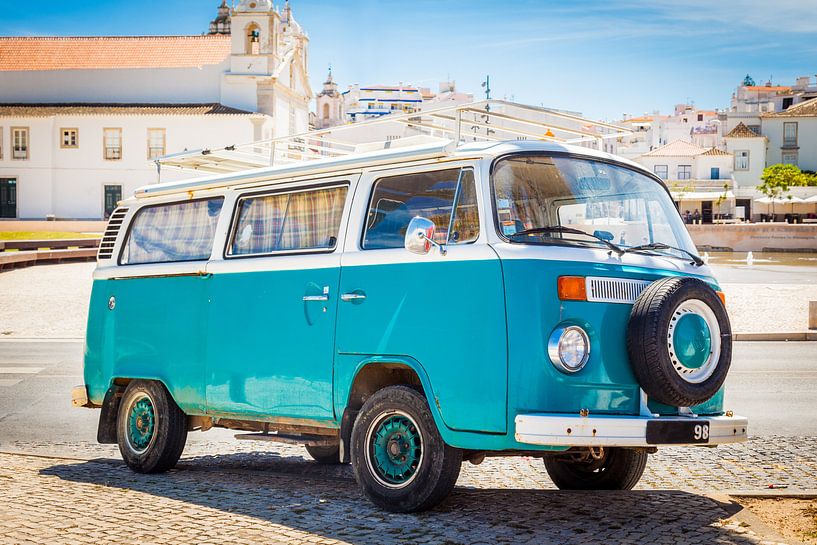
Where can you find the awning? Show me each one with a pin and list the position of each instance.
(701, 195)
(783, 200)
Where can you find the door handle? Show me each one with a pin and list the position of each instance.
(350, 297)
(324, 297)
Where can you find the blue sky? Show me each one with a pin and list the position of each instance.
(602, 58)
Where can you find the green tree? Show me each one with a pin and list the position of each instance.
(778, 181)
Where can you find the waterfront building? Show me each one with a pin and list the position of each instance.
(83, 118)
(750, 101)
(792, 135)
(699, 178)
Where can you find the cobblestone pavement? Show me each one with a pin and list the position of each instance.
(248, 492)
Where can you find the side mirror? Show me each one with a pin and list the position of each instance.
(420, 236)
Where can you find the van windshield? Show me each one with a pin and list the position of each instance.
(613, 203)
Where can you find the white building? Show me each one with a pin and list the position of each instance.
(750, 101)
(792, 135)
(687, 123)
(362, 103)
(82, 118)
(697, 177)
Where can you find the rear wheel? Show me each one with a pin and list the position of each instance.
(399, 458)
(604, 469)
(325, 455)
(151, 429)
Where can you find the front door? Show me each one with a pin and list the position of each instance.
(445, 313)
(8, 197)
(113, 194)
(706, 212)
(273, 300)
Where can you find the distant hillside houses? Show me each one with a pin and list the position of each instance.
(713, 159)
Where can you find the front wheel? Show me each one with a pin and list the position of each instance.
(603, 469)
(150, 428)
(400, 461)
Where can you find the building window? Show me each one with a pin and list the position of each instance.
(700, 117)
(788, 101)
(789, 158)
(69, 138)
(684, 172)
(754, 128)
(742, 160)
(790, 135)
(326, 112)
(112, 142)
(292, 126)
(253, 46)
(1, 142)
(19, 142)
(662, 171)
(156, 143)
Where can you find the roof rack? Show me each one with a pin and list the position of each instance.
(480, 121)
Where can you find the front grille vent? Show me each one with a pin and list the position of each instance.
(614, 290)
(108, 241)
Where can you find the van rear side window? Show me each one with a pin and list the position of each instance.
(288, 222)
(171, 232)
(397, 199)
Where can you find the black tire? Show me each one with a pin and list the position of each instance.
(618, 469)
(164, 445)
(435, 472)
(325, 455)
(649, 342)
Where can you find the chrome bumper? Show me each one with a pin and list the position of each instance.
(79, 397)
(618, 431)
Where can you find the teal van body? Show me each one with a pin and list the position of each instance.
(283, 338)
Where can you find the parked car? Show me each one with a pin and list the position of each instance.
(409, 310)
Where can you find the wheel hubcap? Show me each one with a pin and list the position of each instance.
(141, 423)
(693, 341)
(395, 450)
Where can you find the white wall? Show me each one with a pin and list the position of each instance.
(757, 160)
(69, 182)
(183, 85)
(701, 165)
(806, 140)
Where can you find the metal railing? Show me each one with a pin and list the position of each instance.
(481, 121)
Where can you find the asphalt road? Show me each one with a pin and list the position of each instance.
(774, 384)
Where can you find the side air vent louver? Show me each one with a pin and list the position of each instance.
(108, 241)
(614, 290)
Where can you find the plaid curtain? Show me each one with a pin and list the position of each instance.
(289, 221)
(173, 232)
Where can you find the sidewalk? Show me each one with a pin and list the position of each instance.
(277, 496)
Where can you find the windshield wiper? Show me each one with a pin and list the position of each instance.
(568, 230)
(661, 246)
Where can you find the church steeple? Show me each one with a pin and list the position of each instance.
(221, 24)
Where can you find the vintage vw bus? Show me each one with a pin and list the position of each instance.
(410, 309)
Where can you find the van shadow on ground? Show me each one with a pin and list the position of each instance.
(325, 501)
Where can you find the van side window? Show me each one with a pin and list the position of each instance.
(397, 199)
(299, 220)
(170, 232)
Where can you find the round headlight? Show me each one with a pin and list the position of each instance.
(569, 348)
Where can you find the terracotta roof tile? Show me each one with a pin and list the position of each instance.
(742, 131)
(807, 108)
(677, 148)
(111, 52)
(47, 110)
(715, 151)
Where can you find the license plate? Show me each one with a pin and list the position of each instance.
(677, 432)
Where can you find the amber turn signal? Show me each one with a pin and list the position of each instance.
(572, 288)
(722, 296)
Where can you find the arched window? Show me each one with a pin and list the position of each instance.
(253, 45)
(326, 111)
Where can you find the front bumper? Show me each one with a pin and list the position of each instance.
(622, 431)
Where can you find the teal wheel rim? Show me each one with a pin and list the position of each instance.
(395, 450)
(141, 423)
(692, 340)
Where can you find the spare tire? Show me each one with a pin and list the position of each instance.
(679, 341)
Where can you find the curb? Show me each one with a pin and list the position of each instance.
(776, 336)
(807, 494)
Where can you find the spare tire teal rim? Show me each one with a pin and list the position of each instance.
(141, 424)
(694, 341)
(394, 449)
